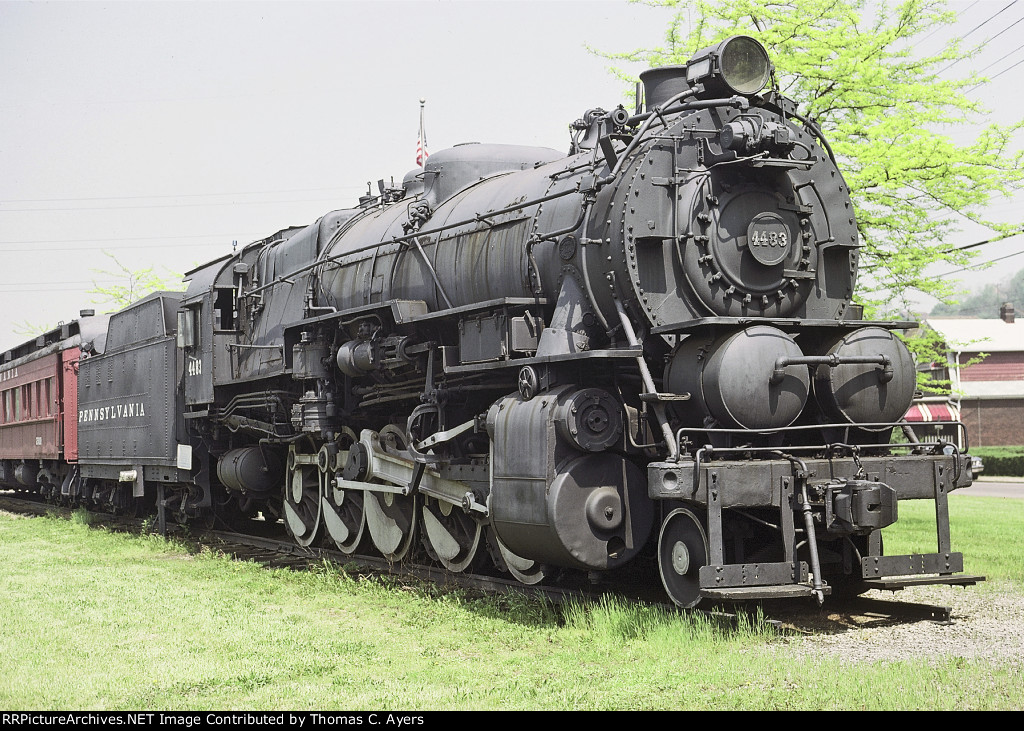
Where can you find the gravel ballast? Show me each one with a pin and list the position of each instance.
(987, 623)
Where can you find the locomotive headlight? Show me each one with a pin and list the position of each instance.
(737, 65)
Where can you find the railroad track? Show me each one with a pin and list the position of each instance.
(273, 551)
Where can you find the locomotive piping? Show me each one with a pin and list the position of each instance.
(816, 131)
(801, 473)
(645, 374)
(478, 218)
(832, 361)
(433, 274)
(818, 427)
(812, 542)
(737, 101)
(609, 331)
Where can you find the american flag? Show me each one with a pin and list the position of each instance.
(421, 143)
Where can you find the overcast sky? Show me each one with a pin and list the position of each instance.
(163, 132)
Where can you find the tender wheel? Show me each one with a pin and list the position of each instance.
(682, 550)
(205, 520)
(135, 507)
(526, 570)
(302, 501)
(451, 537)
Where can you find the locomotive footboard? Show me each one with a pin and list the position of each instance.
(819, 518)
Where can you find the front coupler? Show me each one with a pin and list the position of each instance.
(819, 504)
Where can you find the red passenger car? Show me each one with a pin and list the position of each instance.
(39, 405)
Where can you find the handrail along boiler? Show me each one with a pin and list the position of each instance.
(640, 356)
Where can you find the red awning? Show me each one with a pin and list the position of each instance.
(933, 412)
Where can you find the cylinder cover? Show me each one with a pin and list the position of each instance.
(556, 498)
(355, 358)
(598, 512)
(590, 419)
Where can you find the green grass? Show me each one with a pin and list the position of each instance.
(101, 621)
(987, 530)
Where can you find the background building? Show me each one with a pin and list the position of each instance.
(989, 394)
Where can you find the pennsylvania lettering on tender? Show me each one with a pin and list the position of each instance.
(104, 413)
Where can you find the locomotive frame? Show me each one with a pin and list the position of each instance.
(644, 352)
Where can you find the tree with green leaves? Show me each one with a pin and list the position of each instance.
(888, 112)
(122, 287)
(30, 329)
(129, 285)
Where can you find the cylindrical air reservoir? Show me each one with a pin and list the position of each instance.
(861, 393)
(730, 379)
(251, 469)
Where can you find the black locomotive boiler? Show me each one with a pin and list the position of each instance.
(642, 353)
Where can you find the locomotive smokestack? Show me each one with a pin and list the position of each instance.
(661, 84)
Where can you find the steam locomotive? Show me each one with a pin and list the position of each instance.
(642, 355)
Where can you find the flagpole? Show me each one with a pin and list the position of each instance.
(421, 151)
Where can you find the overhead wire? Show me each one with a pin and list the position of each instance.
(993, 240)
(989, 19)
(121, 247)
(167, 205)
(1004, 30)
(231, 237)
(981, 264)
(958, 15)
(977, 27)
(1005, 56)
(996, 76)
(973, 311)
(180, 195)
(998, 60)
